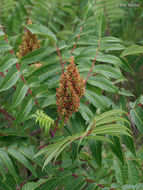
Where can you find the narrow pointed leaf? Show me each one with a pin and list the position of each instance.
(137, 116)
(102, 83)
(10, 79)
(7, 62)
(34, 185)
(42, 30)
(18, 156)
(26, 107)
(20, 93)
(4, 46)
(6, 159)
(121, 172)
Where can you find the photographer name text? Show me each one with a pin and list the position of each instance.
(128, 5)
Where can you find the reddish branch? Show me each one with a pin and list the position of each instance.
(39, 131)
(2, 74)
(62, 64)
(87, 179)
(6, 114)
(86, 134)
(51, 133)
(93, 60)
(56, 126)
(77, 40)
(35, 132)
(42, 146)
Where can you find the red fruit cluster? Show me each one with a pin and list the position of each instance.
(71, 89)
(29, 43)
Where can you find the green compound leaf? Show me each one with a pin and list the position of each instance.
(44, 120)
(10, 79)
(34, 185)
(6, 159)
(103, 83)
(20, 93)
(137, 116)
(131, 50)
(7, 62)
(42, 30)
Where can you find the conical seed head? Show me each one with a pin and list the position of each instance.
(29, 43)
(71, 89)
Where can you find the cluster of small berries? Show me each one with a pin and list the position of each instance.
(71, 89)
(29, 43)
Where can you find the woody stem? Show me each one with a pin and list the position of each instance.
(56, 126)
(62, 64)
(93, 61)
(6, 114)
(76, 41)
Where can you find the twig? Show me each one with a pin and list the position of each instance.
(42, 146)
(51, 133)
(2, 74)
(6, 114)
(56, 126)
(88, 180)
(77, 40)
(93, 61)
(35, 132)
(62, 64)
(86, 134)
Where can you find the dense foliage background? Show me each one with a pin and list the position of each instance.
(100, 145)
